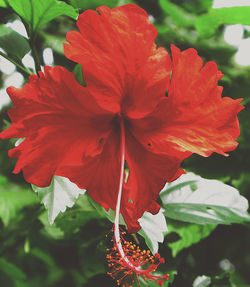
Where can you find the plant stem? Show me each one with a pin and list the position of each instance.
(27, 71)
(35, 54)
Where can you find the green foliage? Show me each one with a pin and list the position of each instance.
(203, 202)
(11, 275)
(179, 15)
(13, 43)
(207, 24)
(189, 234)
(71, 251)
(91, 4)
(61, 193)
(13, 199)
(37, 13)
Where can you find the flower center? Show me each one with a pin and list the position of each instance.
(124, 258)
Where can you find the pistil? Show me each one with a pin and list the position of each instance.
(125, 258)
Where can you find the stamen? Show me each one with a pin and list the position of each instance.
(126, 259)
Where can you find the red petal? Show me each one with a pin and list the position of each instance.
(59, 120)
(194, 118)
(121, 64)
(148, 173)
(99, 174)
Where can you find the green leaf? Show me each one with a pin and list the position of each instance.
(51, 231)
(78, 74)
(37, 13)
(209, 202)
(91, 4)
(54, 41)
(3, 4)
(71, 221)
(207, 24)
(166, 283)
(12, 200)
(202, 281)
(13, 43)
(189, 234)
(61, 193)
(153, 228)
(10, 273)
(178, 15)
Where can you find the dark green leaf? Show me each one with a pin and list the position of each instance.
(189, 234)
(37, 13)
(72, 220)
(78, 73)
(11, 272)
(13, 43)
(91, 4)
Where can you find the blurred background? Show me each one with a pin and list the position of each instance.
(71, 252)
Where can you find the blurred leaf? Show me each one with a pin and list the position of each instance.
(12, 200)
(78, 74)
(155, 284)
(93, 256)
(153, 228)
(13, 43)
(55, 42)
(3, 4)
(61, 193)
(37, 13)
(206, 202)
(207, 24)
(71, 221)
(91, 4)
(9, 273)
(50, 230)
(178, 15)
(202, 281)
(189, 234)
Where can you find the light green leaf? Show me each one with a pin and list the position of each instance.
(207, 24)
(153, 228)
(12, 200)
(3, 4)
(208, 202)
(37, 13)
(189, 234)
(13, 43)
(178, 15)
(202, 281)
(61, 193)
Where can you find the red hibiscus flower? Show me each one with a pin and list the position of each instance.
(122, 115)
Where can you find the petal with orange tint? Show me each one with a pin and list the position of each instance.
(194, 118)
(122, 66)
(59, 121)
